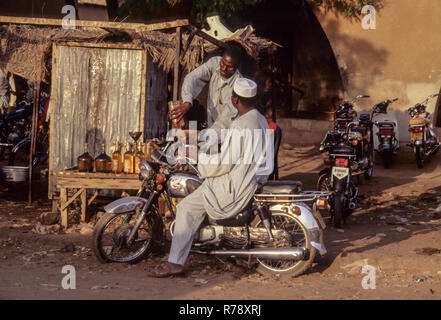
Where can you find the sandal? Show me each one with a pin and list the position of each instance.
(164, 271)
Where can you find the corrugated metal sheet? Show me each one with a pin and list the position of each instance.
(98, 95)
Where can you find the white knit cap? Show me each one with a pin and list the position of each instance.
(245, 88)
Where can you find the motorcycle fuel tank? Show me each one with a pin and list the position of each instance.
(181, 185)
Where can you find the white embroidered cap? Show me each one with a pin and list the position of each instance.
(245, 88)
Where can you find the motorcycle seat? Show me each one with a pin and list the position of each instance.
(419, 121)
(387, 124)
(282, 187)
(241, 219)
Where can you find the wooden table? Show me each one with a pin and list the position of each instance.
(73, 179)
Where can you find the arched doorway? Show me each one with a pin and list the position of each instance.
(306, 80)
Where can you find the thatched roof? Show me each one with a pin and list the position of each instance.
(23, 48)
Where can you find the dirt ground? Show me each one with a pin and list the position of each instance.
(397, 220)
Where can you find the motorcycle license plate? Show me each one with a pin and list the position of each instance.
(340, 173)
(417, 136)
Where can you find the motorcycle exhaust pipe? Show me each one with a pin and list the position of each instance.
(431, 151)
(352, 205)
(276, 254)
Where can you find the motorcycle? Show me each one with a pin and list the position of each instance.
(14, 126)
(386, 130)
(423, 139)
(277, 228)
(344, 115)
(19, 154)
(343, 166)
(15, 132)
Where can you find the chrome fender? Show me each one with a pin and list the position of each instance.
(308, 220)
(125, 204)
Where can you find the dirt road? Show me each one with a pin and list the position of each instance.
(396, 221)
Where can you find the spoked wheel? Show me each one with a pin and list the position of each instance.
(324, 183)
(299, 237)
(110, 238)
(21, 156)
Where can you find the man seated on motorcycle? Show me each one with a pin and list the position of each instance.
(229, 185)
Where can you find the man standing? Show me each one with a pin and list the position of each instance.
(220, 73)
(229, 184)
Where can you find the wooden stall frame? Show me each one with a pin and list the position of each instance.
(82, 181)
(140, 27)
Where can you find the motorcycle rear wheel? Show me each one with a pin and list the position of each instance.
(387, 158)
(300, 236)
(419, 156)
(338, 211)
(110, 235)
(324, 182)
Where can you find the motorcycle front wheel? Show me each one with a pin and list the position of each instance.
(300, 238)
(110, 238)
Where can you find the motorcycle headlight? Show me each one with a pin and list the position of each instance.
(322, 148)
(146, 170)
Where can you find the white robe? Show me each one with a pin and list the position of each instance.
(229, 186)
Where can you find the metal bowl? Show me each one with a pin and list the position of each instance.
(15, 173)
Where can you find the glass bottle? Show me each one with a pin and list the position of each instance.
(117, 160)
(128, 159)
(103, 162)
(139, 157)
(85, 161)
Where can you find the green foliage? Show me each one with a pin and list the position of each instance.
(199, 9)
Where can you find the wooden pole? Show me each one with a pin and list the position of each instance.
(140, 27)
(176, 67)
(33, 135)
(207, 37)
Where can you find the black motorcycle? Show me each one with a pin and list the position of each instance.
(343, 166)
(424, 141)
(277, 228)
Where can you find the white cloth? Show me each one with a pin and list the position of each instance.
(220, 111)
(227, 189)
(245, 88)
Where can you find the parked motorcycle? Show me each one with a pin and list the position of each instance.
(277, 228)
(343, 166)
(361, 135)
(19, 154)
(423, 139)
(14, 126)
(386, 130)
(15, 132)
